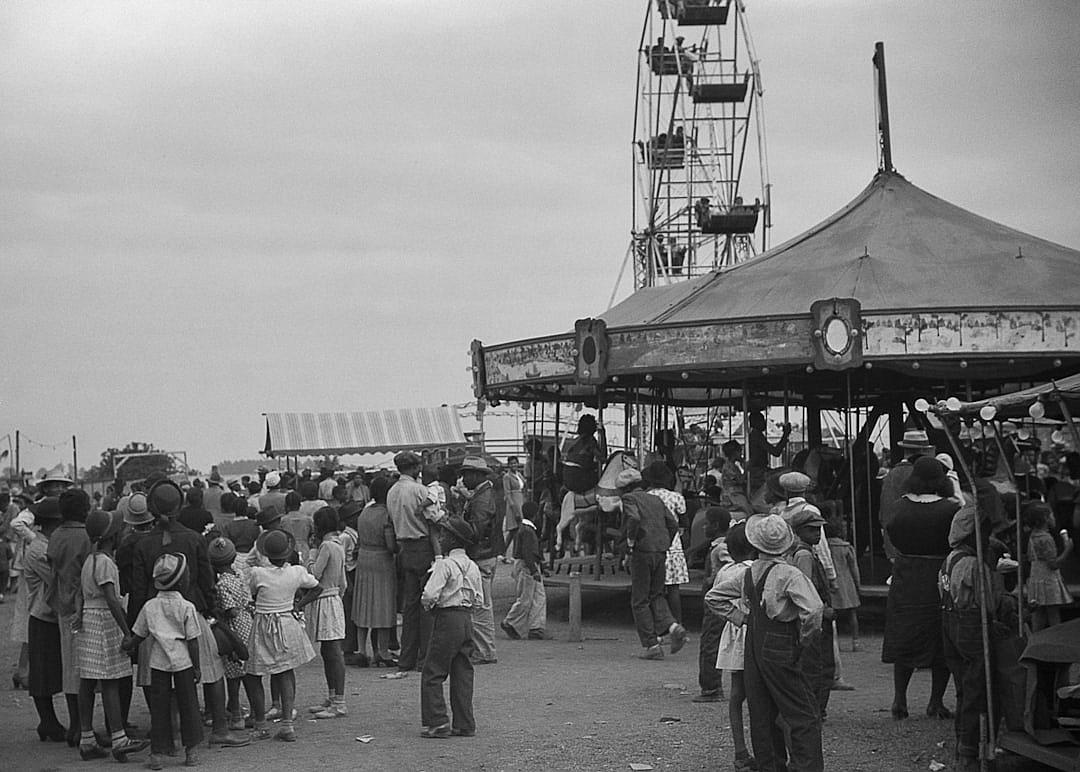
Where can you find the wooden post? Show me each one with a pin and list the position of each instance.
(575, 606)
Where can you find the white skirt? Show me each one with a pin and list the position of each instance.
(326, 618)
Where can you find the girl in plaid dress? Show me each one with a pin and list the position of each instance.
(233, 608)
(326, 617)
(101, 627)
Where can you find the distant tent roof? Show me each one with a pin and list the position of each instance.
(895, 246)
(370, 432)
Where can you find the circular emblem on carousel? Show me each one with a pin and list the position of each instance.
(836, 335)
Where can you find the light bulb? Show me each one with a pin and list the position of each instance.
(1057, 437)
(987, 412)
(953, 404)
(1037, 410)
(1023, 434)
(922, 405)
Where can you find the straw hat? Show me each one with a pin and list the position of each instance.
(769, 534)
(168, 569)
(273, 480)
(137, 511)
(475, 464)
(916, 439)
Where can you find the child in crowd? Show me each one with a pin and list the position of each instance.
(102, 628)
(845, 598)
(730, 647)
(452, 590)
(326, 619)
(528, 615)
(233, 608)
(1046, 591)
(242, 531)
(710, 678)
(298, 523)
(278, 644)
(818, 661)
(171, 623)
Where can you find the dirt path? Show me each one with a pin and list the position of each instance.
(546, 705)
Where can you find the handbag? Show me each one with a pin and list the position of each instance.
(229, 644)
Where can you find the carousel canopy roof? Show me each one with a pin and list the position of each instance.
(894, 247)
(305, 434)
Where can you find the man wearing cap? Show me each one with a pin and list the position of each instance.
(274, 496)
(406, 502)
(785, 613)
(480, 513)
(916, 444)
(648, 526)
(169, 537)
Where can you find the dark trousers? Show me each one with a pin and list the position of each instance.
(448, 654)
(712, 626)
(651, 613)
(352, 642)
(776, 686)
(964, 656)
(162, 687)
(819, 666)
(416, 558)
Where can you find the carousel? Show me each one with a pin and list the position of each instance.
(899, 296)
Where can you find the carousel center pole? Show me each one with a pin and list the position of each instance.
(1019, 535)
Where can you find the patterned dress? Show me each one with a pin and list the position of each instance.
(675, 568)
(97, 644)
(233, 594)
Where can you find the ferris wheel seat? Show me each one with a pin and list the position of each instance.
(667, 158)
(720, 92)
(731, 223)
(700, 15)
(667, 62)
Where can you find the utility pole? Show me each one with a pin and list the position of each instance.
(885, 163)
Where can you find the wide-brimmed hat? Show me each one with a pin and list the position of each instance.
(795, 482)
(273, 480)
(267, 516)
(916, 439)
(461, 529)
(407, 460)
(47, 509)
(137, 511)
(275, 545)
(659, 474)
(627, 477)
(55, 477)
(222, 551)
(168, 569)
(164, 498)
(769, 534)
(475, 464)
(350, 510)
(101, 525)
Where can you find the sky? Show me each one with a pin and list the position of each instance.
(213, 210)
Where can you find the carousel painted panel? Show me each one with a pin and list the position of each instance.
(976, 332)
(723, 344)
(524, 362)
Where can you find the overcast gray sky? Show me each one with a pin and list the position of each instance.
(210, 210)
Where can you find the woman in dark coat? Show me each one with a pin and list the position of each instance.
(920, 532)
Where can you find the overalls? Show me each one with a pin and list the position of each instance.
(776, 685)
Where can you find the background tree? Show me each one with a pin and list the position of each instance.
(134, 468)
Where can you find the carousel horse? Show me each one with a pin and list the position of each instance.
(577, 508)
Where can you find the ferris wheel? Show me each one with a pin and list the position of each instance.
(701, 181)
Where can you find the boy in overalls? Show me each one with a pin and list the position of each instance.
(784, 618)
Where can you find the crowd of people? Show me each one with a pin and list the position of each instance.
(233, 585)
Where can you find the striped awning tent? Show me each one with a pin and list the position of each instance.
(309, 434)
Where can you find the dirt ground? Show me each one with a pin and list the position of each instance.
(546, 705)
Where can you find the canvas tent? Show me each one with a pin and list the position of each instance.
(314, 434)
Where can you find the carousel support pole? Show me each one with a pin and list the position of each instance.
(599, 514)
(74, 460)
(1065, 413)
(1019, 536)
(813, 424)
(986, 751)
(555, 471)
(896, 429)
(851, 463)
(746, 439)
(787, 421)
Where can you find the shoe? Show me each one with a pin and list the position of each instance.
(191, 758)
(384, 662)
(491, 661)
(463, 732)
(653, 652)
(274, 714)
(286, 735)
(678, 638)
(938, 711)
(320, 707)
(73, 736)
(511, 633)
(262, 733)
(539, 635)
(227, 739)
(332, 711)
(120, 751)
(103, 739)
(237, 724)
(899, 713)
(155, 761)
(54, 734)
(90, 752)
(840, 685)
(357, 660)
(708, 697)
(396, 675)
(748, 764)
(436, 732)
